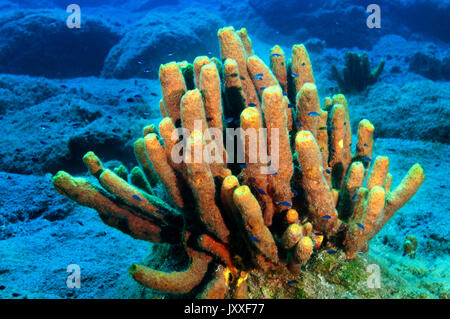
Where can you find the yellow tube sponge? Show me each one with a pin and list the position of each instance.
(321, 206)
(278, 66)
(199, 63)
(257, 232)
(379, 172)
(308, 108)
(173, 87)
(301, 67)
(157, 155)
(177, 282)
(260, 73)
(277, 135)
(203, 188)
(231, 47)
(242, 33)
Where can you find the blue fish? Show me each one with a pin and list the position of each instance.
(437, 165)
(360, 225)
(147, 70)
(230, 119)
(365, 144)
(273, 173)
(326, 217)
(345, 123)
(295, 192)
(367, 159)
(259, 75)
(295, 75)
(292, 282)
(331, 128)
(251, 104)
(331, 252)
(328, 171)
(284, 93)
(44, 126)
(354, 196)
(313, 114)
(136, 197)
(161, 211)
(140, 62)
(285, 204)
(332, 149)
(318, 234)
(323, 128)
(255, 239)
(276, 55)
(243, 166)
(290, 105)
(391, 149)
(298, 124)
(261, 191)
(262, 88)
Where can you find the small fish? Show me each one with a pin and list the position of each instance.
(295, 193)
(318, 234)
(303, 63)
(255, 239)
(136, 197)
(298, 124)
(251, 104)
(442, 186)
(147, 70)
(331, 128)
(43, 142)
(161, 211)
(323, 128)
(345, 123)
(284, 203)
(243, 166)
(365, 144)
(130, 100)
(367, 159)
(230, 119)
(43, 126)
(354, 196)
(153, 94)
(437, 165)
(332, 149)
(79, 222)
(259, 75)
(295, 75)
(273, 173)
(261, 191)
(138, 96)
(275, 55)
(262, 88)
(284, 94)
(360, 225)
(292, 282)
(75, 125)
(291, 105)
(121, 91)
(63, 86)
(328, 171)
(326, 217)
(233, 75)
(391, 149)
(140, 62)
(109, 117)
(331, 252)
(171, 53)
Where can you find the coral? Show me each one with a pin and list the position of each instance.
(410, 246)
(245, 218)
(356, 75)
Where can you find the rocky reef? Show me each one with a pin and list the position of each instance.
(241, 222)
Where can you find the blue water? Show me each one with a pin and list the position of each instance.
(86, 79)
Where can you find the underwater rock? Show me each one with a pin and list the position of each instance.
(67, 52)
(430, 66)
(428, 99)
(20, 204)
(60, 120)
(159, 38)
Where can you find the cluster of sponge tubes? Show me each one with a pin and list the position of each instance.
(233, 219)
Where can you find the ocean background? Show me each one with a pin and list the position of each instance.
(65, 91)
